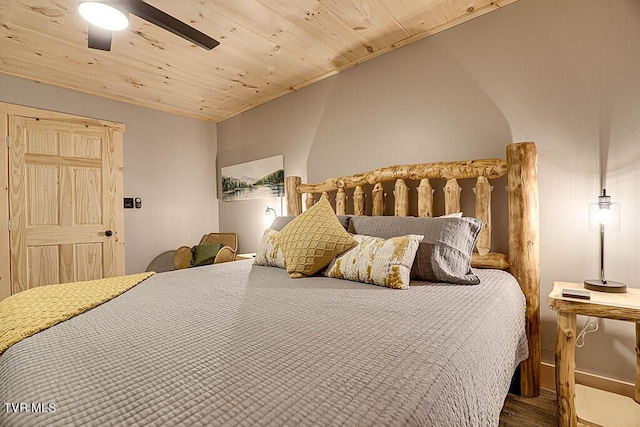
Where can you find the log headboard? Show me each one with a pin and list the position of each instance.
(523, 259)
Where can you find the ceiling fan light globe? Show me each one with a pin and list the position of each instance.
(105, 15)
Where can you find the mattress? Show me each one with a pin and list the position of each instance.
(240, 344)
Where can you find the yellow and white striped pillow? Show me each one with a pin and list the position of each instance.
(378, 261)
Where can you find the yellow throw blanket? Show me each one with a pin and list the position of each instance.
(36, 309)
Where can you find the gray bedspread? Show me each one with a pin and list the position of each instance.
(237, 344)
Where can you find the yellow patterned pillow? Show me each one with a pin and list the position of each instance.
(313, 239)
(270, 251)
(377, 261)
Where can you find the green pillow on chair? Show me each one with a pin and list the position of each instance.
(204, 254)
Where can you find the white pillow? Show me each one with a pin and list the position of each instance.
(452, 215)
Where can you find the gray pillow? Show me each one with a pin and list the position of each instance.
(444, 255)
(280, 222)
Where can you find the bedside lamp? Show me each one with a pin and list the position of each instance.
(269, 215)
(604, 214)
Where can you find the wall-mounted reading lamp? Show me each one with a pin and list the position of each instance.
(269, 215)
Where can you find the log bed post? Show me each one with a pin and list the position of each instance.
(294, 197)
(524, 250)
(483, 213)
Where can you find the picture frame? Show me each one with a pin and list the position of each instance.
(258, 179)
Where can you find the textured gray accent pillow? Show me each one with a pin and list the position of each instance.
(445, 253)
(280, 222)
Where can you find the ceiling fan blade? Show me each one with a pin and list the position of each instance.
(99, 38)
(169, 23)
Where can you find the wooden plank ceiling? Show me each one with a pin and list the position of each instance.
(268, 47)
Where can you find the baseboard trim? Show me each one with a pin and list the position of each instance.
(548, 380)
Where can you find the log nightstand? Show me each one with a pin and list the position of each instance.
(591, 406)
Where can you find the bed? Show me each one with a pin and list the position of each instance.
(246, 344)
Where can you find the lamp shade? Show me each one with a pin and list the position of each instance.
(109, 15)
(607, 215)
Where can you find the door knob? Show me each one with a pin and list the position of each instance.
(108, 233)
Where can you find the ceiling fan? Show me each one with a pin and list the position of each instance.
(104, 17)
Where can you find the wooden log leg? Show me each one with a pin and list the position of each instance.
(565, 353)
(637, 395)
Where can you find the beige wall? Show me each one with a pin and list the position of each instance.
(169, 162)
(563, 73)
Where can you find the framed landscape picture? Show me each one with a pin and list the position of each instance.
(259, 179)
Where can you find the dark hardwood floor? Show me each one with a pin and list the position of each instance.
(538, 411)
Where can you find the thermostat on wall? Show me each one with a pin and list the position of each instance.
(130, 202)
